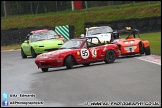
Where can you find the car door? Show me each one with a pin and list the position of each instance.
(85, 53)
(27, 47)
(95, 53)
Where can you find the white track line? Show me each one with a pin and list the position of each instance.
(151, 58)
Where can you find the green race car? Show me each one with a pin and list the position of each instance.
(40, 42)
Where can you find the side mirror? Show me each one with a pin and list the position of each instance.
(82, 35)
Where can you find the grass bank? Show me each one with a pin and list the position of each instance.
(78, 17)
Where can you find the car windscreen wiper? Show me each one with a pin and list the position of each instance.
(108, 32)
(52, 38)
(73, 47)
(40, 39)
(96, 33)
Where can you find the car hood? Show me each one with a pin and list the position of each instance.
(57, 52)
(127, 41)
(48, 42)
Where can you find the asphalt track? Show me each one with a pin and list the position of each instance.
(128, 81)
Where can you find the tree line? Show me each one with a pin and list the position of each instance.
(10, 8)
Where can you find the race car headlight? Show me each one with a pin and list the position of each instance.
(43, 56)
(51, 58)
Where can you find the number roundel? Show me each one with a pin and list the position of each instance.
(94, 53)
(84, 53)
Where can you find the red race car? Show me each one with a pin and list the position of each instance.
(132, 44)
(78, 51)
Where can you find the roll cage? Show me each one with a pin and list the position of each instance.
(92, 44)
(132, 32)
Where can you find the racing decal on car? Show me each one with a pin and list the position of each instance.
(129, 42)
(84, 53)
(78, 53)
(94, 52)
(104, 49)
(130, 48)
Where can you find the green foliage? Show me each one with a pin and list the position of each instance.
(154, 40)
(78, 17)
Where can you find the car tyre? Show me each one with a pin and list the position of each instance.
(69, 62)
(147, 50)
(141, 49)
(44, 69)
(110, 56)
(34, 55)
(23, 55)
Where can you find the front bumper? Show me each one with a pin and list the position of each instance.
(43, 62)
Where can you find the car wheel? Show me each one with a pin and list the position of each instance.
(141, 49)
(34, 55)
(44, 69)
(110, 56)
(147, 50)
(23, 55)
(86, 64)
(69, 62)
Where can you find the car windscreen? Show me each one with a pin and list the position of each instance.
(43, 36)
(72, 44)
(102, 30)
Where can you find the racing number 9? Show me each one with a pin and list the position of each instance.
(84, 53)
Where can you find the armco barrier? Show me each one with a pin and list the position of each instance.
(18, 35)
(144, 25)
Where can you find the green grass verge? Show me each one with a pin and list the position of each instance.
(153, 38)
(11, 47)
